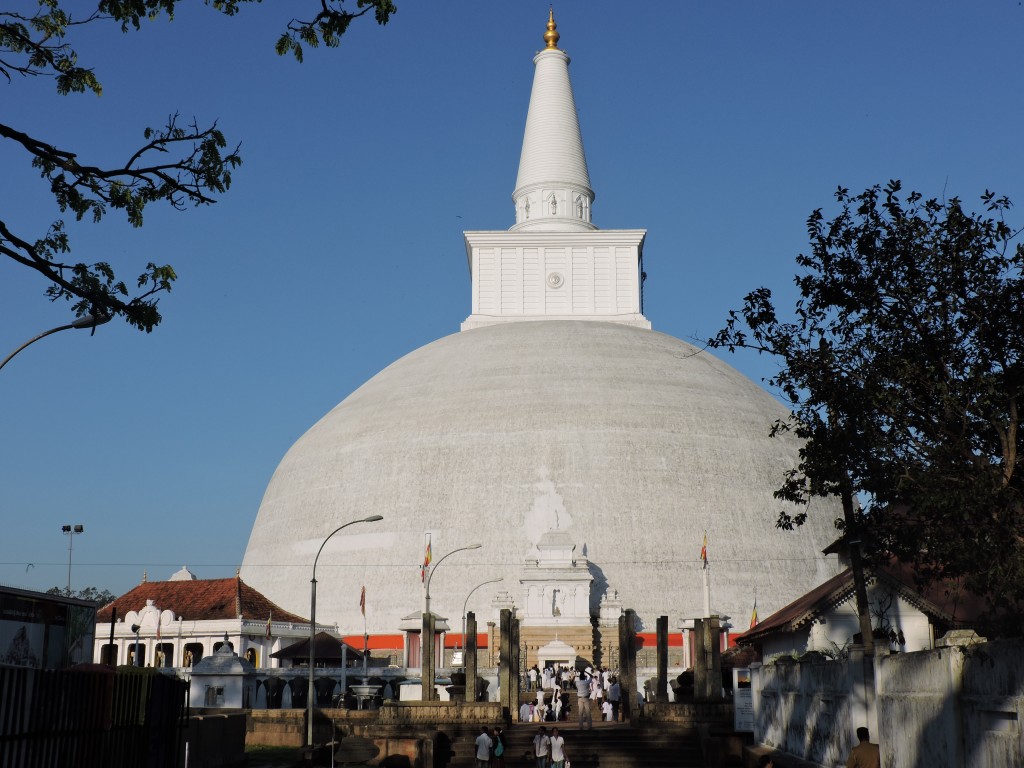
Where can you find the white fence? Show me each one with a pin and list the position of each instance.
(949, 707)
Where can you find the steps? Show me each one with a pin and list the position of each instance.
(607, 745)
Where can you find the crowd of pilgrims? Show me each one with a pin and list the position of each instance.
(552, 685)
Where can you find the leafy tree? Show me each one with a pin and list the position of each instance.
(180, 163)
(98, 596)
(902, 362)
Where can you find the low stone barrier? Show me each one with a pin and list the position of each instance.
(428, 714)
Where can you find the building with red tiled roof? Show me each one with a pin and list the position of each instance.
(183, 619)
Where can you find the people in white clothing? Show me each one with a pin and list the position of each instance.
(557, 749)
(542, 747)
(484, 745)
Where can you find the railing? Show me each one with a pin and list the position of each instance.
(85, 718)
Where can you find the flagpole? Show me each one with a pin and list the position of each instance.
(706, 570)
(366, 638)
(707, 592)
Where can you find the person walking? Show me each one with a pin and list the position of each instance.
(542, 747)
(525, 712)
(583, 701)
(484, 745)
(614, 696)
(865, 754)
(557, 749)
(499, 748)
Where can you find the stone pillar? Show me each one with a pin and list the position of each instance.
(627, 665)
(427, 663)
(700, 661)
(714, 626)
(505, 670)
(707, 662)
(469, 641)
(661, 693)
(514, 664)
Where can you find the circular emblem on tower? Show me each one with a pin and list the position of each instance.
(555, 280)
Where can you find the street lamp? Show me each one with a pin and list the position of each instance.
(70, 532)
(137, 661)
(86, 321)
(460, 549)
(310, 695)
(474, 589)
(427, 643)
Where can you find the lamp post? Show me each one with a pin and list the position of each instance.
(86, 321)
(310, 694)
(466, 603)
(426, 603)
(136, 662)
(427, 660)
(70, 532)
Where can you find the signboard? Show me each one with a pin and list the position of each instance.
(743, 701)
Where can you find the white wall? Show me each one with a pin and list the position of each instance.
(944, 708)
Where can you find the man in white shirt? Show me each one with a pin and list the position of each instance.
(542, 747)
(557, 749)
(484, 745)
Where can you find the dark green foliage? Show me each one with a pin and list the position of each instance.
(903, 365)
(99, 596)
(179, 165)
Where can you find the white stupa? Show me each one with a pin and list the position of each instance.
(556, 430)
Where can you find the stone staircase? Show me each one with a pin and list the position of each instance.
(607, 745)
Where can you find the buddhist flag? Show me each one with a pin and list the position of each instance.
(427, 557)
(269, 617)
(362, 601)
(704, 552)
(753, 615)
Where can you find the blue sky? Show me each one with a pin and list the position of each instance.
(716, 126)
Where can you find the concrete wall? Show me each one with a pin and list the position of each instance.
(954, 706)
(797, 708)
(944, 708)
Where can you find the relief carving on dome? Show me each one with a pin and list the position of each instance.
(548, 511)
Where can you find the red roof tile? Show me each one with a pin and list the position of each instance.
(200, 600)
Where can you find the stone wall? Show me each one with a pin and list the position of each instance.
(690, 713)
(276, 728)
(944, 708)
(416, 714)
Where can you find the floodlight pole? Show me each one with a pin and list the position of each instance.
(70, 531)
(311, 694)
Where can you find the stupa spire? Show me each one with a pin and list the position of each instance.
(553, 187)
(551, 36)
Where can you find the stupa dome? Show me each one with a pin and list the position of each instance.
(586, 454)
(627, 440)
